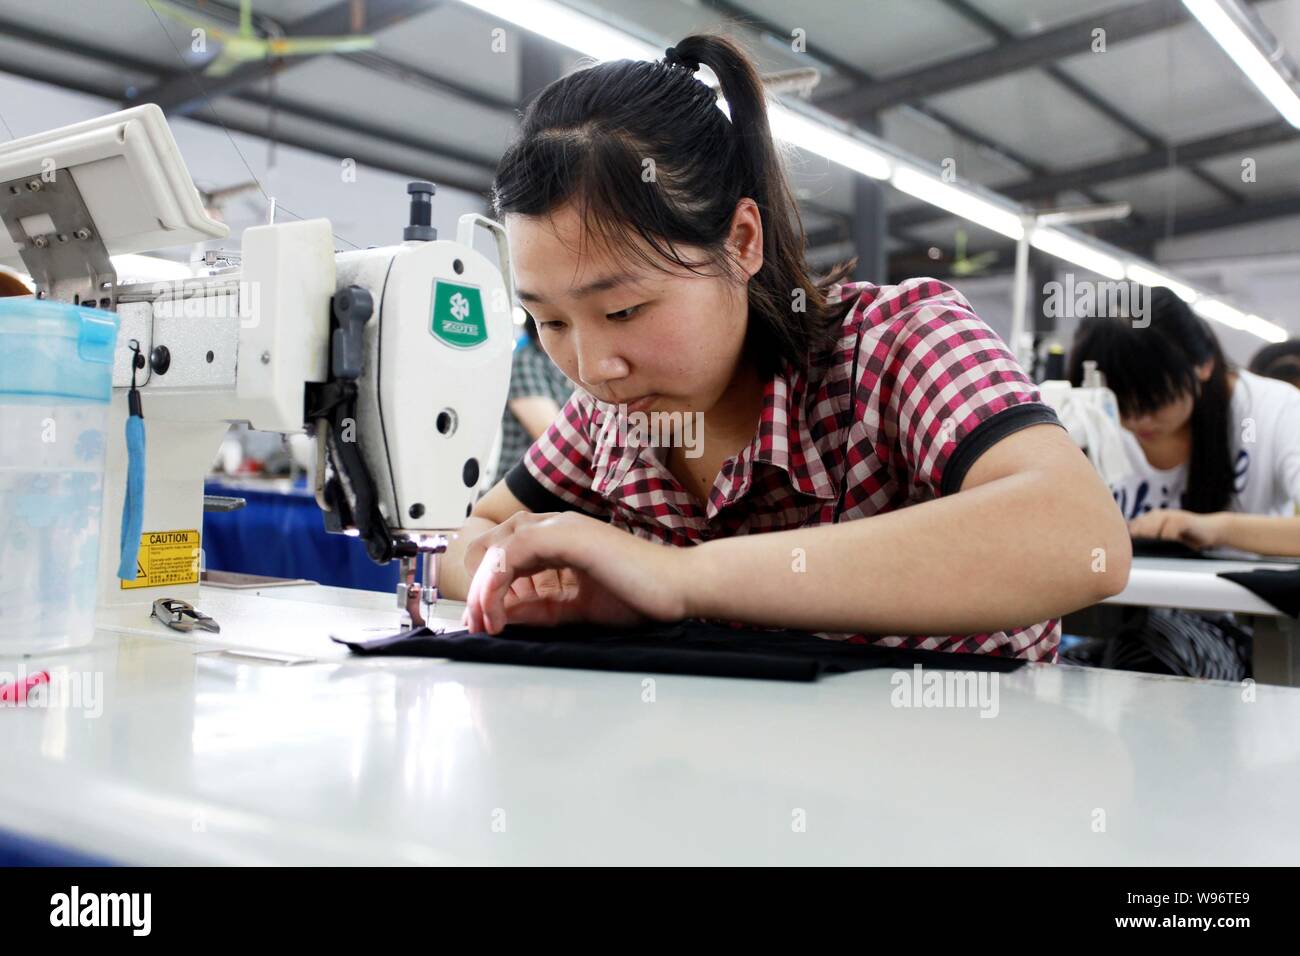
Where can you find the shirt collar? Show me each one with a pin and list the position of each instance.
(782, 439)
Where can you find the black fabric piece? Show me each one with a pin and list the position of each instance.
(690, 647)
(1279, 588)
(987, 434)
(533, 495)
(1165, 548)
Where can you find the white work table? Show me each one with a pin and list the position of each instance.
(1193, 584)
(199, 757)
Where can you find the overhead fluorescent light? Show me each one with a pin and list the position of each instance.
(1265, 329)
(1229, 32)
(1063, 246)
(819, 138)
(1216, 310)
(568, 27)
(1150, 278)
(959, 201)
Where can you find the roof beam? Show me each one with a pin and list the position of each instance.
(1011, 56)
(1223, 217)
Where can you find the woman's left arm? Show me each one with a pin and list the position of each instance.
(1032, 534)
(1262, 534)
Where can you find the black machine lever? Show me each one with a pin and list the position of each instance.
(351, 500)
(353, 308)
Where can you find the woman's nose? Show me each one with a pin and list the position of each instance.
(600, 369)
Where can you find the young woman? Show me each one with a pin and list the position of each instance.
(871, 462)
(1215, 451)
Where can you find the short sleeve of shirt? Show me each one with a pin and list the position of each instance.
(946, 387)
(556, 472)
(1287, 446)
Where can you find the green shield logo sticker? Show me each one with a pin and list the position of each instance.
(458, 315)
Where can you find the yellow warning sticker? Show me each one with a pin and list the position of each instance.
(166, 558)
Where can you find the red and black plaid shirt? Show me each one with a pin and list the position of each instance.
(936, 387)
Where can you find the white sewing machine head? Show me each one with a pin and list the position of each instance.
(397, 358)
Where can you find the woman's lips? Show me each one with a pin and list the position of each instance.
(641, 404)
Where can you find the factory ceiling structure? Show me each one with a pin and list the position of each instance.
(1030, 99)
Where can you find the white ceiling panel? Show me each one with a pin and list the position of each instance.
(1177, 83)
(930, 140)
(455, 42)
(1038, 118)
(1025, 17)
(1276, 171)
(1159, 194)
(881, 37)
(340, 87)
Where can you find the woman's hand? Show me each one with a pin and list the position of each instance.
(1171, 524)
(548, 569)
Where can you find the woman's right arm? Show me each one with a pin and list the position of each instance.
(492, 509)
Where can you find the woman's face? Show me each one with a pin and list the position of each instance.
(1164, 422)
(1169, 419)
(628, 331)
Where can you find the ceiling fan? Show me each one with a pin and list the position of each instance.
(246, 45)
(964, 265)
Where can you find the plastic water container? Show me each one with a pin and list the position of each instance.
(56, 380)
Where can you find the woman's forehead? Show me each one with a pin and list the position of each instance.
(556, 256)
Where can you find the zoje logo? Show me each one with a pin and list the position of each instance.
(458, 315)
(103, 909)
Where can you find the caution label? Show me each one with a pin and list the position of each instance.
(166, 558)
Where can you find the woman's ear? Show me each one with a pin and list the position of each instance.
(745, 241)
(1204, 371)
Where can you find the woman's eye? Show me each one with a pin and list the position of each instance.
(553, 326)
(623, 313)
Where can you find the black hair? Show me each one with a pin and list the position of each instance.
(1149, 366)
(589, 137)
(1280, 360)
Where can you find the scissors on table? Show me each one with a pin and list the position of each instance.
(181, 616)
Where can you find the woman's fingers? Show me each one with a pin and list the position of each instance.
(536, 551)
(521, 590)
(494, 536)
(474, 598)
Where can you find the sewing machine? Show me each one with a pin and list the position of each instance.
(396, 358)
(1090, 412)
